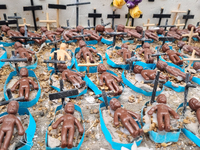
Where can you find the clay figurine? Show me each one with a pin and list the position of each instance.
(102, 29)
(68, 126)
(126, 53)
(195, 106)
(130, 32)
(163, 113)
(173, 56)
(109, 79)
(68, 35)
(148, 33)
(61, 53)
(23, 83)
(49, 34)
(147, 53)
(126, 117)
(86, 51)
(196, 65)
(23, 52)
(189, 49)
(8, 123)
(172, 33)
(93, 35)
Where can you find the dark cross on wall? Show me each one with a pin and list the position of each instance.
(161, 15)
(16, 18)
(3, 6)
(166, 25)
(113, 16)
(94, 15)
(7, 22)
(132, 19)
(187, 17)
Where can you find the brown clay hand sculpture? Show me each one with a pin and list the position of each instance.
(68, 127)
(173, 56)
(195, 106)
(147, 53)
(163, 113)
(126, 117)
(86, 51)
(126, 53)
(163, 66)
(8, 123)
(23, 52)
(109, 79)
(61, 53)
(23, 83)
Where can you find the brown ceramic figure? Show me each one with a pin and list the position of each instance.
(173, 56)
(163, 66)
(101, 28)
(23, 52)
(24, 84)
(126, 117)
(68, 34)
(86, 51)
(68, 126)
(196, 65)
(8, 123)
(10, 32)
(126, 53)
(160, 31)
(147, 53)
(49, 34)
(195, 106)
(130, 32)
(189, 49)
(109, 79)
(151, 35)
(93, 35)
(163, 113)
(172, 33)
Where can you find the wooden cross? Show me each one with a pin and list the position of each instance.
(48, 22)
(148, 24)
(179, 24)
(190, 35)
(129, 26)
(88, 64)
(24, 23)
(176, 13)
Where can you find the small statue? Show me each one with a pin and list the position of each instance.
(86, 51)
(126, 53)
(109, 79)
(173, 56)
(93, 35)
(50, 34)
(8, 123)
(61, 53)
(130, 32)
(24, 87)
(163, 66)
(68, 34)
(148, 33)
(147, 53)
(102, 29)
(196, 65)
(172, 33)
(23, 52)
(126, 117)
(163, 113)
(68, 126)
(160, 31)
(195, 106)
(189, 49)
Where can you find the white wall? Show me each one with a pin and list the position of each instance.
(102, 6)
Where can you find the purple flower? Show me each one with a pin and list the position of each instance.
(132, 3)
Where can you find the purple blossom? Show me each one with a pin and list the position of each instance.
(132, 3)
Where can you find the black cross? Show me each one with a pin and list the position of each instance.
(102, 23)
(143, 39)
(7, 22)
(94, 15)
(188, 85)
(3, 6)
(131, 60)
(68, 27)
(55, 42)
(166, 25)
(186, 17)
(15, 17)
(161, 15)
(114, 34)
(56, 6)
(166, 38)
(89, 27)
(81, 36)
(113, 16)
(33, 8)
(156, 80)
(158, 54)
(132, 21)
(77, 9)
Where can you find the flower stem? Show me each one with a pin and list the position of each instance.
(127, 18)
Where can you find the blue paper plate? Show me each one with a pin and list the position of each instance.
(4, 56)
(161, 138)
(30, 131)
(77, 108)
(90, 42)
(7, 44)
(125, 41)
(25, 103)
(108, 136)
(107, 42)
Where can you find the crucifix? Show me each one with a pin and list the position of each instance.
(148, 24)
(143, 39)
(57, 6)
(16, 18)
(166, 25)
(113, 16)
(47, 21)
(179, 24)
(7, 22)
(132, 19)
(176, 13)
(161, 15)
(88, 64)
(77, 9)
(33, 8)
(24, 23)
(186, 17)
(82, 35)
(94, 15)
(166, 38)
(89, 27)
(131, 60)
(158, 54)
(102, 23)
(68, 27)
(3, 6)
(190, 35)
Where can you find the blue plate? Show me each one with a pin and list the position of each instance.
(4, 56)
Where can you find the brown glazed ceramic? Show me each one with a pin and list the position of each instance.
(126, 117)
(189, 49)
(147, 53)
(163, 113)
(174, 35)
(100, 28)
(151, 35)
(86, 51)
(180, 44)
(139, 29)
(109, 79)
(68, 35)
(130, 32)
(125, 52)
(68, 127)
(8, 123)
(160, 31)
(23, 52)
(24, 84)
(93, 35)
(195, 106)
(137, 69)
(50, 34)
(196, 65)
